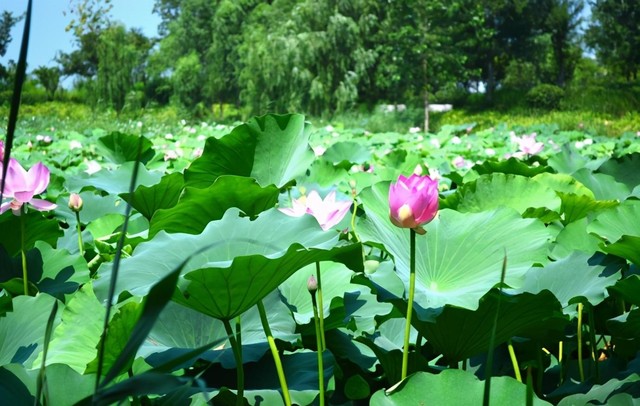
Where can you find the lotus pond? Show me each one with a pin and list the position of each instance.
(175, 255)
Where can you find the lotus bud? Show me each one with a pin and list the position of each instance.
(75, 202)
(312, 284)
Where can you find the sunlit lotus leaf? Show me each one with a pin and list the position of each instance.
(574, 237)
(563, 183)
(604, 394)
(197, 207)
(571, 279)
(604, 187)
(325, 174)
(445, 390)
(120, 148)
(518, 192)
(613, 223)
(94, 206)
(240, 259)
(461, 256)
(575, 207)
(273, 149)
(347, 153)
(112, 181)
(164, 195)
(22, 330)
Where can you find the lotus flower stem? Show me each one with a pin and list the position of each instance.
(412, 289)
(236, 347)
(580, 365)
(353, 220)
(514, 361)
(560, 350)
(80, 244)
(320, 308)
(592, 339)
(25, 279)
(274, 352)
(319, 345)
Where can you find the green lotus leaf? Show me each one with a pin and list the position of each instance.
(273, 149)
(604, 187)
(563, 183)
(627, 247)
(603, 394)
(574, 237)
(511, 166)
(570, 279)
(347, 153)
(36, 227)
(164, 195)
(613, 223)
(94, 206)
(22, 330)
(112, 181)
(575, 207)
(120, 148)
(197, 207)
(243, 259)
(325, 174)
(461, 256)
(626, 326)
(518, 192)
(629, 289)
(569, 161)
(444, 389)
(625, 169)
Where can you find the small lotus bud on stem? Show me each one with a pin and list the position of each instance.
(75, 202)
(312, 284)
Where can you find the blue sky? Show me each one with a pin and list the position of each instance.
(48, 22)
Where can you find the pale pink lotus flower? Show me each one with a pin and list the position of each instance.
(435, 174)
(73, 144)
(21, 186)
(528, 144)
(1, 153)
(490, 152)
(328, 212)
(456, 140)
(92, 167)
(319, 150)
(435, 143)
(459, 162)
(197, 152)
(413, 202)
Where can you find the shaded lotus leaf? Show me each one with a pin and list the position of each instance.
(22, 330)
(626, 325)
(604, 187)
(347, 153)
(36, 227)
(120, 148)
(571, 279)
(511, 166)
(625, 169)
(445, 389)
(518, 192)
(17, 385)
(242, 260)
(613, 223)
(460, 258)
(273, 149)
(627, 247)
(629, 289)
(112, 181)
(197, 207)
(603, 394)
(164, 195)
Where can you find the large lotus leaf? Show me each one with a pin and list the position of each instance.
(273, 239)
(60, 378)
(273, 149)
(460, 333)
(197, 207)
(75, 339)
(511, 166)
(604, 187)
(518, 192)
(574, 237)
(461, 256)
(180, 328)
(325, 174)
(629, 289)
(602, 394)
(22, 330)
(164, 195)
(563, 183)
(453, 387)
(575, 207)
(36, 228)
(627, 247)
(347, 153)
(397, 161)
(571, 279)
(94, 206)
(17, 385)
(626, 325)
(120, 148)
(569, 161)
(112, 181)
(625, 169)
(622, 220)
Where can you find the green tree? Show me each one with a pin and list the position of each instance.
(614, 33)
(562, 24)
(7, 21)
(49, 78)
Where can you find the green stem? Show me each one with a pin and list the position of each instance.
(318, 344)
(274, 352)
(80, 245)
(580, 365)
(353, 220)
(514, 361)
(412, 288)
(320, 308)
(236, 346)
(560, 357)
(592, 339)
(25, 278)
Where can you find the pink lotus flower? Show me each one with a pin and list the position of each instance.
(413, 202)
(328, 212)
(1, 153)
(21, 186)
(528, 144)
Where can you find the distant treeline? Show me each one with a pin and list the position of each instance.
(327, 56)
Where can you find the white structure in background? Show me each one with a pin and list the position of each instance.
(440, 108)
